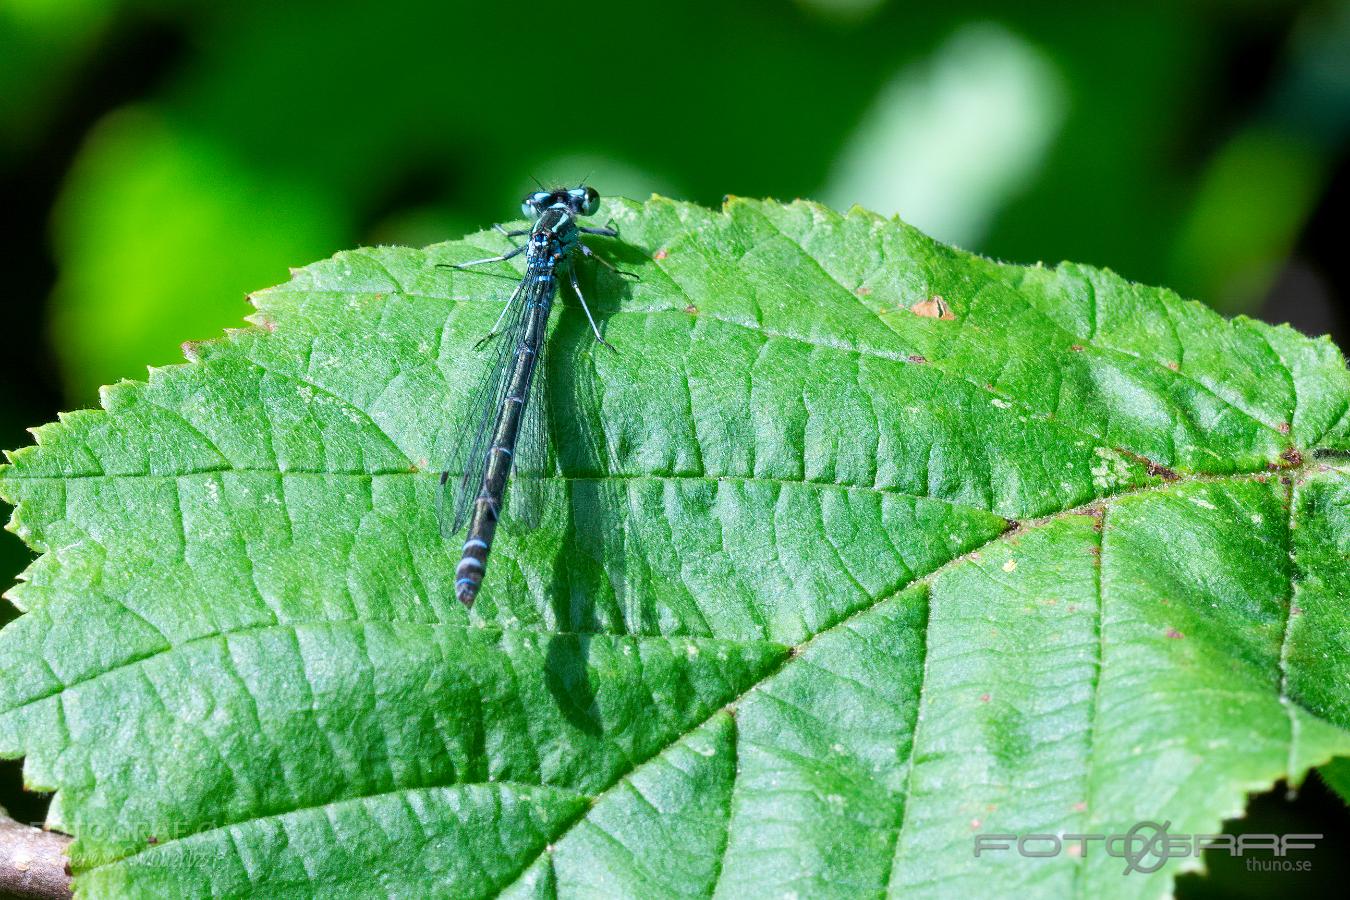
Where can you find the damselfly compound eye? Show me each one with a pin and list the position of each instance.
(536, 201)
(590, 202)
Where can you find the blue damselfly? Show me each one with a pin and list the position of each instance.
(505, 432)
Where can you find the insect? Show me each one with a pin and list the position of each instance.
(507, 423)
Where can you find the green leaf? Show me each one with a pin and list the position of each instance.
(151, 214)
(828, 586)
(1336, 775)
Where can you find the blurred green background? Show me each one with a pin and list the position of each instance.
(160, 158)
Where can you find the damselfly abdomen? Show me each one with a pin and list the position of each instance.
(505, 431)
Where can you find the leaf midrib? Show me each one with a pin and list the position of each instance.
(797, 650)
(794, 651)
(523, 786)
(297, 624)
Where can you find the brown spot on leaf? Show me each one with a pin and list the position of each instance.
(1080, 806)
(916, 358)
(933, 308)
(661, 254)
(862, 290)
(1156, 470)
(1174, 634)
(1076, 348)
(1160, 471)
(151, 839)
(1283, 428)
(1292, 456)
(691, 309)
(984, 698)
(1174, 366)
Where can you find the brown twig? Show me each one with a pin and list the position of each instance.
(33, 863)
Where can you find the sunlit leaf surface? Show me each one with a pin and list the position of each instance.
(829, 585)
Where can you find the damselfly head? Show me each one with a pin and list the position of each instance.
(580, 201)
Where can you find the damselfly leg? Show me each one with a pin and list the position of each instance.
(590, 254)
(497, 325)
(589, 318)
(519, 232)
(487, 259)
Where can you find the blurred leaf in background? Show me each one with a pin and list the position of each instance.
(285, 132)
(951, 139)
(149, 215)
(1262, 183)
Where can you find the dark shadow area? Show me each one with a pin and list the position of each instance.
(589, 591)
(568, 680)
(23, 806)
(1315, 810)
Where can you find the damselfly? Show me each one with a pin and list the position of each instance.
(505, 431)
